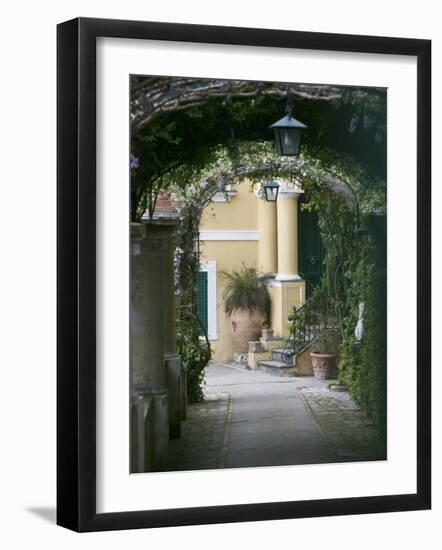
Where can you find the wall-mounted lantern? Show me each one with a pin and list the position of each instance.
(271, 189)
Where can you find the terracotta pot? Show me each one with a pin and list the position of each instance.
(324, 365)
(163, 201)
(246, 327)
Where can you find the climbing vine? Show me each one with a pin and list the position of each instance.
(195, 352)
(362, 365)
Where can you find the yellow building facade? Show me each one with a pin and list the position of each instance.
(238, 228)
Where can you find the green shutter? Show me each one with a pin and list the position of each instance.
(201, 298)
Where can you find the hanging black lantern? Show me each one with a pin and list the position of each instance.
(271, 189)
(287, 134)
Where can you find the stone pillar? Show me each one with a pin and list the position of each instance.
(148, 374)
(267, 244)
(288, 289)
(287, 211)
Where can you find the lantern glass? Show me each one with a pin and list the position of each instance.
(287, 135)
(271, 190)
(287, 140)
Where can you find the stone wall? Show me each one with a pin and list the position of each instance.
(155, 368)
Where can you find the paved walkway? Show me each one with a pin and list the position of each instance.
(251, 418)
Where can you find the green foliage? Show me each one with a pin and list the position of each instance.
(195, 354)
(188, 140)
(247, 289)
(362, 367)
(374, 351)
(327, 342)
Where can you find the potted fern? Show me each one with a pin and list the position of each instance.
(247, 303)
(324, 354)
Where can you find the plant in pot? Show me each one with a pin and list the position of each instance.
(247, 303)
(324, 354)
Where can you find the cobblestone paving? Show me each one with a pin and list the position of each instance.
(347, 429)
(201, 443)
(251, 418)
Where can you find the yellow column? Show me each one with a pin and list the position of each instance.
(288, 289)
(267, 244)
(287, 212)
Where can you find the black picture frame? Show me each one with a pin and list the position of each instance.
(76, 272)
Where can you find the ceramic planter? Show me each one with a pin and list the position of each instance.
(324, 365)
(246, 327)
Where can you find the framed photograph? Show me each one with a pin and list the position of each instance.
(243, 274)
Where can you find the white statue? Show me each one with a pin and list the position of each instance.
(359, 330)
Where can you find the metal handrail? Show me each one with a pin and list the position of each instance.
(308, 321)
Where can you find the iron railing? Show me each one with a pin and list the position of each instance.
(308, 321)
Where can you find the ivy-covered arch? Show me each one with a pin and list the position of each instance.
(342, 193)
(182, 122)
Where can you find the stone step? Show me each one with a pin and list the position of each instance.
(277, 368)
(270, 342)
(285, 355)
